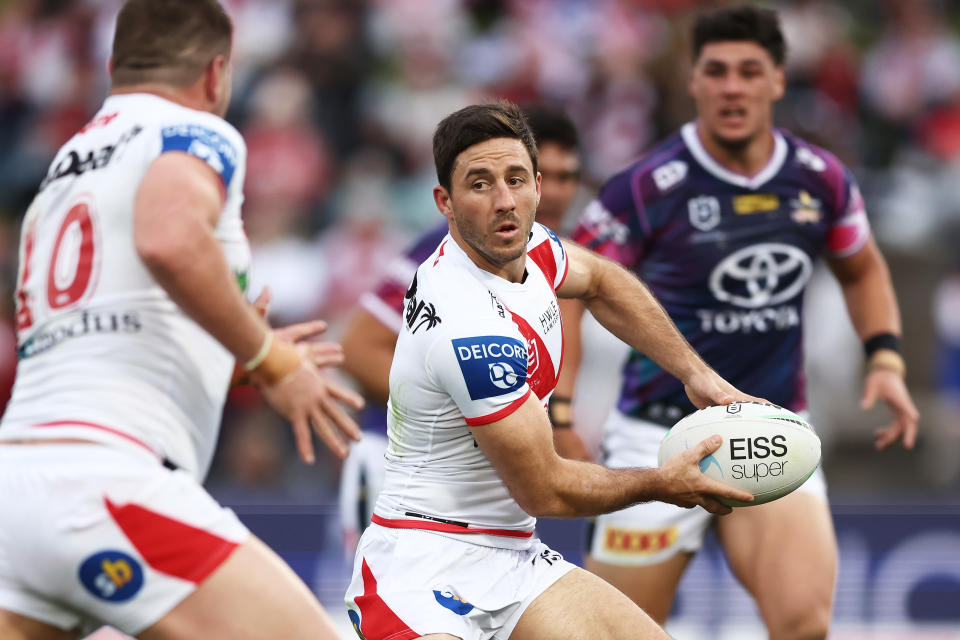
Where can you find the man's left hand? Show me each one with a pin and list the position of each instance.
(888, 386)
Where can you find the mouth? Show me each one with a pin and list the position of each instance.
(733, 115)
(506, 230)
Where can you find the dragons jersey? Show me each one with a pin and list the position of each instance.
(472, 348)
(104, 352)
(728, 257)
(385, 303)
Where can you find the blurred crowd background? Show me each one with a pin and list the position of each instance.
(337, 100)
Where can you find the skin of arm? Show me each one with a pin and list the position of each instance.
(368, 347)
(177, 208)
(872, 304)
(544, 484)
(624, 305)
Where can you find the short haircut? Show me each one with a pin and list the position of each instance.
(473, 125)
(745, 22)
(552, 124)
(168, 41)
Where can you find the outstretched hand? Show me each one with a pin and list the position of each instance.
(321, 354)
(686, 486)
(887, 385)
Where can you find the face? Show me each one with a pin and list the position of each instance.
(735, 85)
(491, 203)
(559, 178)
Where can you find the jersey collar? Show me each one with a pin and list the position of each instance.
(692, 140)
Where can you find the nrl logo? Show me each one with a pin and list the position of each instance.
(704, 212)
(806, 209)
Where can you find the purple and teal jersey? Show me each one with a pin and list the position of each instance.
(728, 256)
(385, 303)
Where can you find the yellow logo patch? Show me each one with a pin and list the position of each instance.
(755, 203)
(634, 541)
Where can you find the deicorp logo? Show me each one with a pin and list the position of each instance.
(491, 365)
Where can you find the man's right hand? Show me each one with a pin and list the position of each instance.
(306, 398)
(686, 486)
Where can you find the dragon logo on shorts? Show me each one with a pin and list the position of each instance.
(111, 575)
(453, 602)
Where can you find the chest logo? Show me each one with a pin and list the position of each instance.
(704, 212)
(761, 275)
(755, 203)
(805, 209)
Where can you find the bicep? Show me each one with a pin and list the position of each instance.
(177, 190)
(520, 448)
(583, 267)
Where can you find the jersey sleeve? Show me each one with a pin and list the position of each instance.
(485, 374)
(614, 224)
(849, 227)
(546, 250)
(213, 141)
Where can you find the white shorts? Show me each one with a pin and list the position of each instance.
(408, 583)
(92, 534)
(652, 532)
(360, 484)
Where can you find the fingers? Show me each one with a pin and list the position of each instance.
(716, 488)
(347, 396)
(870, 392)
(327, 433)
(344, 423)
(715, 506)
(262, 303)
(322, 354)
(302, 330)
(301, 434)
(707, 446)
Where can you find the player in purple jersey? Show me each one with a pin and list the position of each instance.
(724, 221)
(371, 336)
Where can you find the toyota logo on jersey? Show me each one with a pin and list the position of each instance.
(491, 365)
(761, 275)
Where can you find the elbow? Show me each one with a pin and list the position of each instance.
(542, 503)
(156, 252)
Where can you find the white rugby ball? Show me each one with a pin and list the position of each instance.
(766, 449)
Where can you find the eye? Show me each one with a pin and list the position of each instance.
(479, 185)
(516, 181)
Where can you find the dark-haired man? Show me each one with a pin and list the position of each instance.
(371, 335)
(471, 462)
(130, 321)
(723, 221)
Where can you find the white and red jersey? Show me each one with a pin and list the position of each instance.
(472, 348)
(105, 354)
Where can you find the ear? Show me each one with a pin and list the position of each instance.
(779, 83)
(442, 199)
(213, 85)
(539, 192)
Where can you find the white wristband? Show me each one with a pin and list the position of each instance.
(258, 359)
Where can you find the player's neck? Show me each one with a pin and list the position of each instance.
(748, 160)
(188, 97)
(512, 271)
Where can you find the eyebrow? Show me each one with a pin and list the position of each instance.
(483, 171)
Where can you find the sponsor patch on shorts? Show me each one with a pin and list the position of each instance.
(111, 575)
(491, 365)
(637, 541)
(453, 602)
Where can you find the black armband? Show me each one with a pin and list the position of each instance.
(881, 341)
(551, 413)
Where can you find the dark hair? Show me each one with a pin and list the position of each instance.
(168, 41)
(745, 22)
(552, 124)
(473, 125)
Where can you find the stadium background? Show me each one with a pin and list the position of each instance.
(337, 100)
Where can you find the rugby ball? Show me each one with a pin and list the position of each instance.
(766, 449)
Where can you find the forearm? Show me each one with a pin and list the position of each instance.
(624, 305)
(872, 303)
(583, 489)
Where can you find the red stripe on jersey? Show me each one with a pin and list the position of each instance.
(429, 525)
(170, 546)
(440, 255)
(541, 375)
(566, 270)
(499, 414)
(377, 620)
(542, 255)
(100, 427)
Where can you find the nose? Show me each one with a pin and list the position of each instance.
(503, 198)
(732, 84)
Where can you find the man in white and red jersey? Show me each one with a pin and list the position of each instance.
(471, 461)
(371, 336)
(130, 322)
